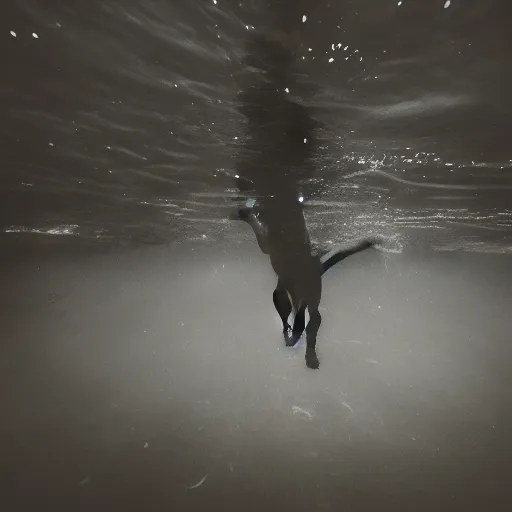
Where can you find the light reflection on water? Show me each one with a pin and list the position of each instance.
(131, 128)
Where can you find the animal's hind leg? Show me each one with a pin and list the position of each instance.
(315, 319)
(299, 323)
(284, 308)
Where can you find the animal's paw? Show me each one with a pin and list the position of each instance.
(312, 359)
(288, 336)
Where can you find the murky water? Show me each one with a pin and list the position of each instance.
(122, 119)
(142, 363)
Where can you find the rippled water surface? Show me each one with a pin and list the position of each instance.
(122, 122)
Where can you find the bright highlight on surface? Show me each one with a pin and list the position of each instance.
(447, 4)
(13, 34)
(304, 18)
(34, 35)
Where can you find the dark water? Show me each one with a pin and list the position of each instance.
(121, 121)
(142, 365)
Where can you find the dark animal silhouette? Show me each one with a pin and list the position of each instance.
(275, 163)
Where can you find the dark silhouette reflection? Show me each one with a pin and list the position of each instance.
(276, 161)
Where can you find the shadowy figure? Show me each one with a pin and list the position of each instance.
(275, 161)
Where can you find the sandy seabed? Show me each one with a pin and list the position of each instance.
(157, 379)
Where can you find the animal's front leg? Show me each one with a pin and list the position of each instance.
(248, 215)
(260, 231)
(315, 319)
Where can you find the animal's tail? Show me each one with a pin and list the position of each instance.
(336, 255)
